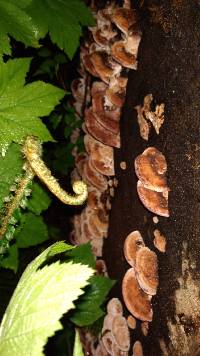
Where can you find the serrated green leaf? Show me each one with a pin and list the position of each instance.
(14, 21)
(39, 200)
(59, 247)
(10, 167)
(88, 307)
(31, 231)
(21, 106)
(40, 299)
(12, 260)
(86, 317)
(62, 20)
(78, 350)
(83, 254)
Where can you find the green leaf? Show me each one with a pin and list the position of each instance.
(12, 260)
(31, 231)
(14, 21)
(39, 200)
(82, 254)
(10, 167)
(63, 20)
(40, 299)
(88, 307)
(78, 351)
(21, 106)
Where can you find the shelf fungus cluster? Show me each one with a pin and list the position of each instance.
(140, 282)
(115, 336)
(146, 116)
(151, 168)
(98, 96)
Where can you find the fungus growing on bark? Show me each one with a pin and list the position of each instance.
(146, 268)
(131, 321)
(137, 349)
(136, 300)
(124, 18)
(133, 243)
(101, 156)
(146, 115)
(99, 132)
(93, 177)
(120, 332)
(159, 241)
(114, 307)
(156, 202)
(107, 340)
(104, 65)
(125, 52)
(145, 328)
(150, 168)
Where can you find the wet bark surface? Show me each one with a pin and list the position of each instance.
(168, 67)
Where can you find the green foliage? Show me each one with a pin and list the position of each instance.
(11, 260)
(62, 19)
(78, 351)
(16, 22)
(40, 199)
(40, 299)
(82, 254)
(29, 20)
(31, 231)
(21, 106)
(88, 307)
(10, 168)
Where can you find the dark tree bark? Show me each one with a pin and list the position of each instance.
(169, 69)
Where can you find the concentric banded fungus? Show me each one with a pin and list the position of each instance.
(114, 307)
(120, 332)
(131, 321)
(104, 65)
(146, 268)
(156, 202)
(159, 241)
(133, 243)
(108, 341)
(124, 18)
(102, 159)
(99, 132)
(93, 177)
(123, 56)
(150, 168)
(117, 352)
(136, 300)
(137, 349)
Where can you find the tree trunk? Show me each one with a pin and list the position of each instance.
(168, 67)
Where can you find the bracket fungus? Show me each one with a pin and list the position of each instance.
(146, 268)
(133, 243)
(136, 300)
(150, 168)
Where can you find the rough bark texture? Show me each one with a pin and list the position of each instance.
(169, 69)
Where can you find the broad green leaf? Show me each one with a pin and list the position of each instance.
(88, 307)
(14, 21)
(12, 260)
(40, 299)
(31, 231)
(21, 106)
(62, 19)
(10, 167)
(39, 200)
(78, 351)
(82, 254)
